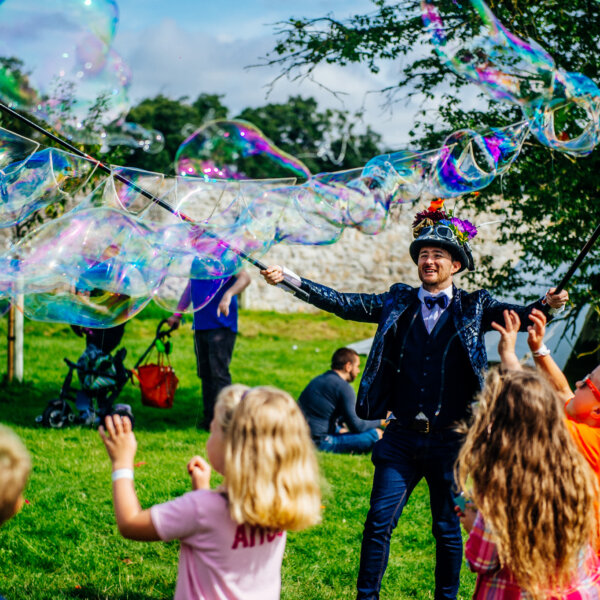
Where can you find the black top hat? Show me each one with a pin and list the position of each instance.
(442, 230)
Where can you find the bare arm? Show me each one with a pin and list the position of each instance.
(546, 363)
(242, 281)
(184, 302)
(508, 340)
(119, 440)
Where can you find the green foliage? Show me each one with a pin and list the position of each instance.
(323, 140)
(552, 205)
(64, 544)
(175, 119)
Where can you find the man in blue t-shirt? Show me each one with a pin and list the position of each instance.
(215, 328)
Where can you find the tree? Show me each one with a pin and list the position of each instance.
(324, 140)
(552, 207)
(175, 119)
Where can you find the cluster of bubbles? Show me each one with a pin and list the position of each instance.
(132, 237)
(562, 108)
(58, 63)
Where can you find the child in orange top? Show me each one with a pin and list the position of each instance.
(582, 407)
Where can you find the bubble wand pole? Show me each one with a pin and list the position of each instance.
(588, 245)
(103, 167)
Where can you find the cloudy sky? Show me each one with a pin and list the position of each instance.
(187, 47)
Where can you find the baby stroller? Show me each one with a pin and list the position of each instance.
(101, 378)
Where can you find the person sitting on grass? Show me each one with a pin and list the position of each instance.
(15, 466)
(232, 538)
(329, 400)
(533, 534)
(582, 407)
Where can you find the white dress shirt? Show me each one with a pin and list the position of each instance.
(431, 316)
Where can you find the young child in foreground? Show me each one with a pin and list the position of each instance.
(232, 538)
(533, 535)
(582, 407)
(15, 466)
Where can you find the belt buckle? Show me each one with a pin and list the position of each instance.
(421, 423)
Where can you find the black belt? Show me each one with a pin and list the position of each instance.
(421, 425)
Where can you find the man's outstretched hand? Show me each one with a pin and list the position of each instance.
(556, 301)
(273, 274)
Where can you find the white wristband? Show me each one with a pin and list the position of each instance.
(122, 474)
(543, 350)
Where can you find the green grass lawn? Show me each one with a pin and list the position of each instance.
(65, 544)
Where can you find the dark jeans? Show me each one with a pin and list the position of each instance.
(345, 443)
(402, 458)
(214, 349)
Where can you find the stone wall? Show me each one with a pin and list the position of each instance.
(360, 263)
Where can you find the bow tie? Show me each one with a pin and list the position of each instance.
(431, 301)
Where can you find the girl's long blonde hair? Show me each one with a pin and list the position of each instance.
(529, 481)
(227, 401)
(271, 472)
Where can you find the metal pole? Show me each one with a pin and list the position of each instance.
(19, 338)
(10, 355)
(13, 113)
(563, 282)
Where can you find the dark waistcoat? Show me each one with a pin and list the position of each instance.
(434, 375)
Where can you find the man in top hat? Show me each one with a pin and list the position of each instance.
(426, 365)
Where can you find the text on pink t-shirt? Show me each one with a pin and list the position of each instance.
(219, 559)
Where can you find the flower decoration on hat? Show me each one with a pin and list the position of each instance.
(435, 215)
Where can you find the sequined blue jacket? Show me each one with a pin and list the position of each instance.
(472, 314)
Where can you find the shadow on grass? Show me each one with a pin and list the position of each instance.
(21, 403)
(92, 593)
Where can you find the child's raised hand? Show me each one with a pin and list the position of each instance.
(119, 441)
(467, 518)
(535, 339)
(199, 471)
(508, 339)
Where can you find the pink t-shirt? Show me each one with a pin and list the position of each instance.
(219, 559)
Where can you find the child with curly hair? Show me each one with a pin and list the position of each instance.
(232, 538)
(534, 532)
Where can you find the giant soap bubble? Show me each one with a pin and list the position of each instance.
(223, 149)
(57, 62)
(520, 72)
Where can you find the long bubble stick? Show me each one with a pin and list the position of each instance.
(260, 265)
(563, 282)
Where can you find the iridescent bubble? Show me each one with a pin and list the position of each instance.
(134, 135)
(409, 172)
(45, 177)
(224, 149)
(514, 70)
(570, 121)
(96, 268)
(58, 64)
(502, 64)
(470, 161)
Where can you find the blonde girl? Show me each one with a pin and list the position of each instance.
(535, 493)
(232, 538)
(15, 466)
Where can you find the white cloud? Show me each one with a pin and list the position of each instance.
(178, 62)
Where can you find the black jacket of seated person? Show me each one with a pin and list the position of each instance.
(328, 399)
